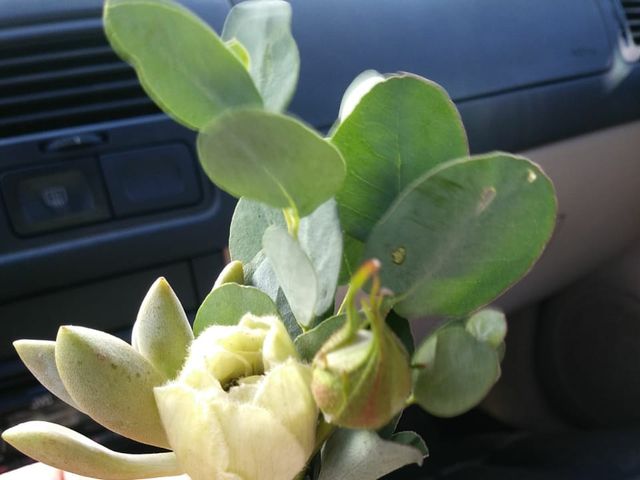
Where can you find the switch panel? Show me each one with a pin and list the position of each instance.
(151, 179)
(45, 199)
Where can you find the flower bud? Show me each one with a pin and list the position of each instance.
(242, 405)
(361, 382)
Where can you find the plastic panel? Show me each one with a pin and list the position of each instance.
(472, 48)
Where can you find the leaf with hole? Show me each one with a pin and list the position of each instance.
(463, 233)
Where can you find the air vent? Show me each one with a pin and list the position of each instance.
(632, 13)
(59, 81)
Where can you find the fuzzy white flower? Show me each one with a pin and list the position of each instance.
(241, 408)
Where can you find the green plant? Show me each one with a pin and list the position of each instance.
(390, 204)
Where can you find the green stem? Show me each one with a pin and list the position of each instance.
(367, 270)
(293, 221)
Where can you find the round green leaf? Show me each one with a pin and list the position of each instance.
(402, 128)
(271, 158)
(310, 342)
(488, 325)
(248, 224)
(463, 233)
(228, 303)
(180, 61)
(454, 372)
(263, 27)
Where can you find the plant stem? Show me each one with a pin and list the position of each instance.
(293, 221)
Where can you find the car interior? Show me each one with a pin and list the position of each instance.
(101, 193)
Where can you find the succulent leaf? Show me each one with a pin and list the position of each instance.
(162, 333)
(70, 451)
(111, 382)
(39, 357)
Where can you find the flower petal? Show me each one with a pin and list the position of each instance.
(194, 434)
(285, 392)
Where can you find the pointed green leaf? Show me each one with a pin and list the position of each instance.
(389, 429)
(270, 158)
(70, 451)
(239, 51)
(488, 325)
(264, 29)
(180, 61)
(320, 237)
(454, 372)
(294, 271)
(111, 382)
(260, 274)
(399, 130)
(363, 455)
(233, 272)
(358, 88)
(39, 357)
(401, 327)
(411, 439)
(310, 342)
(227, 304)
(463, 233)
(162, 333)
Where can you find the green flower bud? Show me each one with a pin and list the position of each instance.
(241, 406)
(361, 382)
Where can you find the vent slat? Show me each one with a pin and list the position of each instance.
(72, 75)
(67, 95)
(66, 80)
(631, 10)
(11, 67)
(63, 118)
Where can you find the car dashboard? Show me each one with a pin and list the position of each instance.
(101, 193)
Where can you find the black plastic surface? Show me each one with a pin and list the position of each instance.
(109, 305)
(472, 48)
(148, 179)
(53, 260)
(54, 197)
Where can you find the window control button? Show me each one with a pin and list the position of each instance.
(50, 198)
(151, 179)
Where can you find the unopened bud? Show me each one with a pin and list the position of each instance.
(363, 381)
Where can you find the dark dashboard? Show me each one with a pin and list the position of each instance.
(100, 193)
